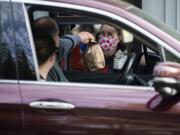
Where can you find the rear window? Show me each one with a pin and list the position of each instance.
(7, 48)
(25, 61)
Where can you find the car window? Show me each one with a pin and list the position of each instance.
(170, 57)
(7, 48)
(25, 59)
(147, 52)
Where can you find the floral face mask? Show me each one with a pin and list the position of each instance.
(107, 42)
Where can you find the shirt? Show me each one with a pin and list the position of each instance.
(66, 44)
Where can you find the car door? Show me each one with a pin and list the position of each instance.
(80, 108)
(93, 109)
(10, 101)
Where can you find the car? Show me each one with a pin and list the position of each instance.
(90, 103)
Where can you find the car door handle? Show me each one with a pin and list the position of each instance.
(51, 105)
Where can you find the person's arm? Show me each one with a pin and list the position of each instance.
(75, 39)
(68, 42)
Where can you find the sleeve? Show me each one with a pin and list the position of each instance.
(66, 44)
(74, 39)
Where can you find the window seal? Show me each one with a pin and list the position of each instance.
(31, 42)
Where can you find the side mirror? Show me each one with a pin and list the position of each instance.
(167, 84)
(167, 87)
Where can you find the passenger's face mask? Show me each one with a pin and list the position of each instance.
(108, 44)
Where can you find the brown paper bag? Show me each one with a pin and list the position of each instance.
(94, 57)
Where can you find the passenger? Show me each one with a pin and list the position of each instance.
(110, 42)
(46, 25)
(46, 54)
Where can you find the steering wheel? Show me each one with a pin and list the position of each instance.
(127, 67)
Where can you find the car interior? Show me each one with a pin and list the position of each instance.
(142, 52)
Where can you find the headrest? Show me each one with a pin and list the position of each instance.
(38, 14)
(127, 37)
(93, 29)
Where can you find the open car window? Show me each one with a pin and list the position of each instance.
(147, 52)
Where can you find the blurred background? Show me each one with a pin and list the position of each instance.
(166, 10)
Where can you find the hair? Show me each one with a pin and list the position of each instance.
(45, 26)
(45, 47)
(119, 32)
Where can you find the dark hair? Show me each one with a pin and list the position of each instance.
(45, 26)
(45, 47)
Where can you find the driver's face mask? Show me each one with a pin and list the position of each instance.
(108, 44)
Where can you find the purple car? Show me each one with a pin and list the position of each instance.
(128, 102)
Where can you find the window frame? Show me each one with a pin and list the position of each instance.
(92, 11)
(29, 30)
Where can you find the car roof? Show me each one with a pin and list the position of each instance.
(115, 3)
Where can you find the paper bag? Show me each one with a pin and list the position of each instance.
(94, 57)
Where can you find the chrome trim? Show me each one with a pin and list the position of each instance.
(105, 13)
(85, 85)
(163, 53)
(51, 105)
(31, 42)
(9, 81)
(165, 79)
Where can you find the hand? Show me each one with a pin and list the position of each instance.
(86, 37)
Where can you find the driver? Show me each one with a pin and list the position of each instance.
(110, 42)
